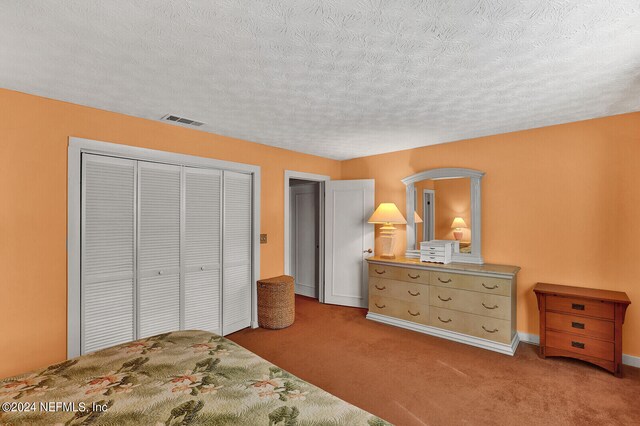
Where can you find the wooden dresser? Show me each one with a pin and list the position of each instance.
(473, 304)
(582, 323)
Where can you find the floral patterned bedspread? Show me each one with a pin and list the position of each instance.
(179, 378)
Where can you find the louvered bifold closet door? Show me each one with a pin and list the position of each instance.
(202, 249)
(159, 195)
(236, 300)
(108, 252)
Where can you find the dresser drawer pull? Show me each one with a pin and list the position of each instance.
(445, 321)
(380, 288)
(578, 345)
(443, 281)
(489, 331)
(490, 307)
(380, 272)
(577, 306)
(412, 277)
(380, 307)
(579, 325)
(413, 294)
(489, 288)
(412, 314)
(444, 300)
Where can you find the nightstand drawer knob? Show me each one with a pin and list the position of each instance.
(412, 314)
(417, 293)
(380, 272)
(489, 331)
(444, 281)
(413, 277)
(445, 321)
(444, 300)
(380, 288)
(578, 345)
(577, 306)
(489, 288)
(380, 307)
(579, 325)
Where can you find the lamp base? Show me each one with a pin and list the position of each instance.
(457, 235)
(387, 256)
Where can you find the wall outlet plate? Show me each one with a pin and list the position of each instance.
(263, 238)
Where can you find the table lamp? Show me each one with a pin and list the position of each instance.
(458, 223)
(388, 215)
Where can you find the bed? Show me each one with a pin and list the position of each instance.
(179, 378)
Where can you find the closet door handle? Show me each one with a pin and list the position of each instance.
(413, 294)
(412, 314)
(368, 251)
(413, 277)
(380, 307)
(489, 331)
(202, 268)
(444, 282)
(160, 272)
(489, 288)
(489, 307)
(444, 300)
(445, 321)
(380, 288)
(380, 272)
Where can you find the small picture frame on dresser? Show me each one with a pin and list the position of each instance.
(582, 323)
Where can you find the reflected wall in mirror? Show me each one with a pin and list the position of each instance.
(440, 202)
(444, 204)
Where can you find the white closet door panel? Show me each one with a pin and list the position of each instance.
(237, 218)
(108, 247)
(237, 298)
(159, 216)
(202, 251)
(236, 285)
(159, 205)
(202, 300)
(159, 310)
(203, 192)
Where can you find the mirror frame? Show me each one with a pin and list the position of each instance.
(476, 213)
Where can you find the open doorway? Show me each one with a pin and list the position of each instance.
(304, 232)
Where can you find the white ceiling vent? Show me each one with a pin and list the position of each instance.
(177, 119)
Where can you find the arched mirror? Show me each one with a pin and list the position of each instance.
(444, 204)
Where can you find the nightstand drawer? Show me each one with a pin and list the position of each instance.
(590, 327)
(586, 307)
(580, 345)
(472, 282)
(488, 305)
(401, 309)
(410, 292)
(475, 325)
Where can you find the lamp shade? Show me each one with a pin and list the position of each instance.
(458, 222)
(387, 213)
(416, 218)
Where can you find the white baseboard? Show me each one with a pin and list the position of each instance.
(534, 339)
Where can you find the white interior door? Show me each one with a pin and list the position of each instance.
(348, 238)
(304, 238)
(159, 206)
(236, 285)
(202, 249)
(108, 252)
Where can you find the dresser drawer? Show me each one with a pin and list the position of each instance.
(399, 273)
(480, 284)
(590, 327)
(580, 345)
(489, 305)
(415, 312)
(586, 307)
(475, 325)
(410, 292)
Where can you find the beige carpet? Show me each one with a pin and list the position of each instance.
(409, 378)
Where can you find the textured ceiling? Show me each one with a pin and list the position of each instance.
(340, 79)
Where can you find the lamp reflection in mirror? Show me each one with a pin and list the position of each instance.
(416, 218)
(458, 223)
(388, 215)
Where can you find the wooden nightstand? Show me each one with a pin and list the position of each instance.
(582, 323)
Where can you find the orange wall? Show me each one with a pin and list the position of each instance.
(562, 202)
(33, 215)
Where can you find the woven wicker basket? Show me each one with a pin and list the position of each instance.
(276, 302)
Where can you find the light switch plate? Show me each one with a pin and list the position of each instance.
(263, 238)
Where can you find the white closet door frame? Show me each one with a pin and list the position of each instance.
(78, 146)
